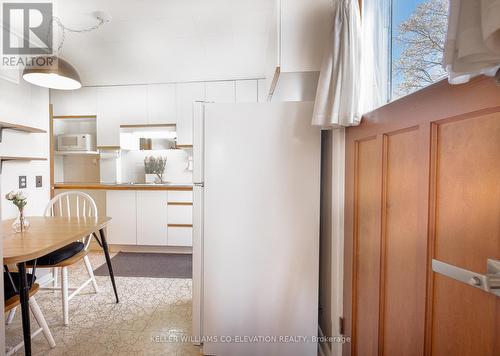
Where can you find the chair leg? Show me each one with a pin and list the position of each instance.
(64, 289)
(37, 313)
(10, 317)
(54, 277)
(91, 273)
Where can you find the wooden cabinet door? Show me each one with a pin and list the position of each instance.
(465, 232)
(187, 94)
(121, 207)
(152, 218)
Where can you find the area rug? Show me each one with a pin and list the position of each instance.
(153, 265)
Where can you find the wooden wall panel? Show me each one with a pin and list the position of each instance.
(423, 182)
(367, 245)
(403, 278)
(466, 320)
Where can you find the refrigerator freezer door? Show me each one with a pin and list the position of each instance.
(261, 228)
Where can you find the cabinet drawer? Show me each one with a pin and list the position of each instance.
(180, 196)
(180, 236)
(180, 214)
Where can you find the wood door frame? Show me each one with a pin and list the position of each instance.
(424, 108)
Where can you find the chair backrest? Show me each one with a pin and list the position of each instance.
(71, 204)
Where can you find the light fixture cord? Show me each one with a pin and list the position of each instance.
(64, 28)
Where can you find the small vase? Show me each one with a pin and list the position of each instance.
(21, 224)
(150, 178)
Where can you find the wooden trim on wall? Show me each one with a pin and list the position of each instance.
(62, 117)
(179, 225)
(179, 203)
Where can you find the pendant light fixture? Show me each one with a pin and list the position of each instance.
(56, 73)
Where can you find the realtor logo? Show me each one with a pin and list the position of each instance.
(27, 28)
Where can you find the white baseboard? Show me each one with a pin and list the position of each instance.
(149, 249)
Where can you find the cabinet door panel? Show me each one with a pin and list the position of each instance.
(161, 104)
(187, 94)
(221, 92)
(180, 236)
(152, 218)
(180, 214)
(132, 104)
(246, 91)
(262, 92)
(108, 117)
(74, 102)
(180, 196)
(121, 207)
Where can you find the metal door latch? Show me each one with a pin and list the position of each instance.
(489, 282)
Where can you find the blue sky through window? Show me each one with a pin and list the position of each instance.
(415, 63)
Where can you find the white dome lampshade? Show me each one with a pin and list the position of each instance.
(59, 75)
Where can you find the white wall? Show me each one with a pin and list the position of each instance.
(26, 105)
(175, 171)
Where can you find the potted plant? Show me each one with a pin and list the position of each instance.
(154, 167)
(19, 200)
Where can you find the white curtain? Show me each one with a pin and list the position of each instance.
(354, 76)
(473, 40)
(338, 93)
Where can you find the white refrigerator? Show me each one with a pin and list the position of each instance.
(256, 169)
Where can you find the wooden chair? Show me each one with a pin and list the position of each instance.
(11, 285)
(69, 204)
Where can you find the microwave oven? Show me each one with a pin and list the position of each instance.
(76, 142)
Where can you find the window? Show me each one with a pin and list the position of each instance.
(417, 36)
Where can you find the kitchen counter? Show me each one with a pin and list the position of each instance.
(124, 186)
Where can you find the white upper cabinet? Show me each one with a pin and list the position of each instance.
(246, 91)
(186, 95)
(262, 91)
(117, 106)
(161, 104)
(221, 92)
(74, 102)
(108, 117)
(298, 36)
(133, 105)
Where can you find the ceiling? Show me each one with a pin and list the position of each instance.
(156, 41)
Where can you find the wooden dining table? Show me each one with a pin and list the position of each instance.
(45, 235)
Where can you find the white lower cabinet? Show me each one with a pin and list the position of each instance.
(152, 218)
(180, 236)
(121, 207)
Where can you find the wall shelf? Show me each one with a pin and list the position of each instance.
(19, 158)
(77, 117)
(76, 153)
(10, 126)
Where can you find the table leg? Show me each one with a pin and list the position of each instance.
(24, 289)
(108, 261)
